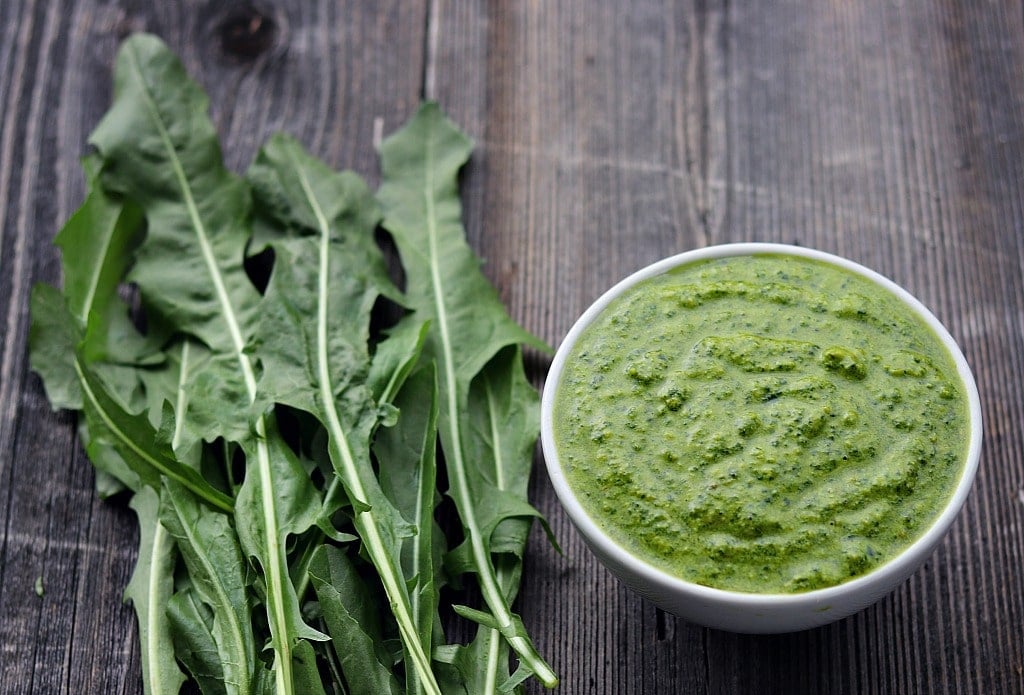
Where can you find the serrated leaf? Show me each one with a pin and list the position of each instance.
(408, 474)
(89, 316)
(149, 590)
(329, 273)
(216, 568)
(95, 246)
(353, 622)
(313, 342)
(52, 340)
(151, 406)
(161, 151)
(194, 644)
(469, 325)
(503, 423)
(140, 446)
(296, 505)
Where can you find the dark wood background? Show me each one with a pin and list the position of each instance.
(609, 134)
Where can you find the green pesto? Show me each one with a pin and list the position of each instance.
(761, 423)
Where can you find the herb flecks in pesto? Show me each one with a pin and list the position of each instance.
(761, 423)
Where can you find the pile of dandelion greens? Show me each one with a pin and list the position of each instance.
(279, 447)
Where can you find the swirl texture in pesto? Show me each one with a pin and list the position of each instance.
(765, 424)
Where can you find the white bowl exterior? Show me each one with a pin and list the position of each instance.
(744, 612)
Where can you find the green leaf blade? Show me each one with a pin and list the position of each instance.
(97, 245)
(135, 439)
(349, 613)
(160, 149)
(469, 325)
(408, 474)
(149, 590)
(294, 504)
(194, 643)
(53, 338)
(212, 555)
(313, 341)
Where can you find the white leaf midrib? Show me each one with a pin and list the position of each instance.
(457, 465)
(488, 582)
(280, 637)
(152, 614)
(374, 542)
(235, 631)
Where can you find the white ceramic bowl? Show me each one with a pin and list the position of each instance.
(747, 612)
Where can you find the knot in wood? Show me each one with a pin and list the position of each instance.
(246, 32)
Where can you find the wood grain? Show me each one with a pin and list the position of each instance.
(612, 135)
(608, 135)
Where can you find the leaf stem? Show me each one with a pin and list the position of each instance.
(180, 401)
(153, 605)
(459, 479)
(280, 637)
(235, 629)
(382, 560)
(212, 496)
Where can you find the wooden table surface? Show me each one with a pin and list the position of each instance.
(609, 134)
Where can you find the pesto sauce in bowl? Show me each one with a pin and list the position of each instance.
(761, 423)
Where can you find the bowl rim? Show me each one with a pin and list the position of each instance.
(892, 571)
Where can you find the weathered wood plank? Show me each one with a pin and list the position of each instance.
(609, 134)
(591, 161)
